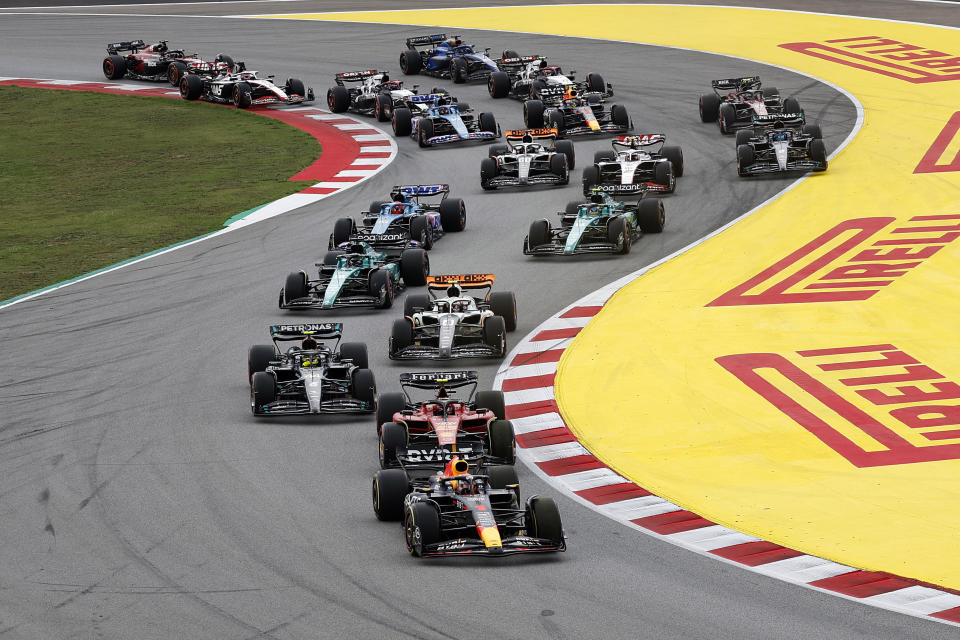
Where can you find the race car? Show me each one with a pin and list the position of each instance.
(454, 512)
(523, 78)
(735, 101)
(157, 61)
(636, 164)
(443, 57)
(445, 123)
(576, 114)
(404, 220)
(447, 322)
(602, 225)
(244, 89)
(525, 160)
(777, 144)
(356, 275)
(369, 93)
(312, 377)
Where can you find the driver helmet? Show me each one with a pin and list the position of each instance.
(391, 85)
(398, 209)
(454, 291)
(161, 46)
(246, 75)
(454, 42)
(465, 486)
(309, 344)
(747, 95)
(546, 71)
(459, 306)
(443, 111)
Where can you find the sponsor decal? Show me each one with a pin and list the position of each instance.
(852, 261)
(378, 237)
(644, 138)
(909, 62)
(875, 405)
(322, 327)
(447, 138)
(463, 278)
(438, 376)
(948, 139)
(423, 189)
(435, 455)
(620, 187)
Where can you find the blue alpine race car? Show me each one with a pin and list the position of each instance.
(444, 122)
(436, 55)
(404, 221)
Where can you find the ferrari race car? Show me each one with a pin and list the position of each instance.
(443, 122)
(525, 160)
(436, 55)
(454, 512)
(636, 164)
(368, 93)
(776, 144)
(602, 225)
(159, 62)
(244, 89)
(447, 322)
(404, 220)
(523, 78)
(311, 378)
(576, 114)
(735, 101)
(356, 275)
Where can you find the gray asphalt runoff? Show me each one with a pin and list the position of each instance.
(140, 499)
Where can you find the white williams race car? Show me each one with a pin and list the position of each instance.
(244, 89)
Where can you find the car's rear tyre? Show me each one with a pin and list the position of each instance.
(295, 87)
(501, 476)
(343, 228)
(650, 215)
(663, 174)
(566, 148)
(191, 87)
(745, 158)
(573, 207)
(497, 150)
(389, 404)
(818, 153)
(510, 53)
(545, 520)
(709, 107)
(492, 401)
(591, 176)
(743, 136)
(675, 155)
(402, 121)
(263, 391)
(558, 167)
(381, 289)
(488, 170)
(421, 527)
(420, 231)
(504, 304)
(539, 233)
(295, 286)
(727, 118)
(259, 358)
(812, 130)
(424, 132)
(364, 385)
(453, 214)
(488, 123)
(390, 487)
(595, 83)
(791, 105)
(384, 107)
(242, 95)
(533, 114)
(392, 436)
(618, 234)
(604, 155)
(461, 106)
(338, 99)
(401, 335)
(502, 443)
(330, 258)
(414, 267)
(498, 84)
(175, 72)
(415, 301)
(458, 70)
(114, 67)
(770, 92)
(410, 62)
(356, 352)
(619, 117)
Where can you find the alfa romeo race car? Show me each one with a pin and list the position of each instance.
(735, 101)
(356, 274)
(243, 89)
(636, 164)
(312, 377)
(405, 220)
(447, 322)
(443, 57)
(602, 225)
(525, 160)
(368, 93)
(776, 144)
(443, 122)
(159, 62)
(454, 512)
(576, 114)
(524, 77)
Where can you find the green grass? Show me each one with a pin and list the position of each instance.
(87, 180)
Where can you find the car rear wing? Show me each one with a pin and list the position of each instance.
(418, 191)
(639, 140)
(132, 45)
(317, 330)
(735, 84)
(463, 280)
(357, 76)
(425, 41)
(518, 61)
(788, 119)
(518, 134)
(437, 379)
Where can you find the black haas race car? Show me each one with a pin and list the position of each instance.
(636, 164)
(243, 89)
(159, 62)
(735, 101)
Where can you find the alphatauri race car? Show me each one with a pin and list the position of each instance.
(636, 164)
(443, 57)
(735, 101)
(576, 114)
(447, 322)
(312, 377)
(243, 89)
(602, 225)
(525, 160)
(444, 122)
(405, 220)
(776, 144)
(356, 275)
(369, 93)
(157, 61)
(523, 78)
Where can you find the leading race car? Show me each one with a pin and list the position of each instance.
(636, 164)
(576, 114)
(735, 101)
(369, 93)
(356, 274)
(444, 57)
(776, 145)
(158, 61)
(523, 78)
(405, 220)
(244, 89)
(447, 322)
(311, 378)
(444, 122)
(455, 512)
(602, 225)
(525, 160)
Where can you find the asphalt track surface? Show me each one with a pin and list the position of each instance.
(140, 499)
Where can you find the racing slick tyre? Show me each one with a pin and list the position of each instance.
(414, 267)
(420, 231)
(502, 444)
(364, 385)
(263, 390)
(591, 176)
(727, 118)
(258, 358)
(376, 205)
(424, 132)
(619, 117)
(453, 214)
(497, 150)
(458, 70)
(650, 215)
(573, 207)
(504, 304)
(488, 170)
(539, 233)
(510, 53)
(175, 71)
(242, 95)
(415, 301)
(770, 92)
(389, 404)
(492, 401)
(663, 174)
(330, 258)
(791, 105)
(543, 519)
(488, 122)
(535, 87)
(595, 83)
(709, 107)
(604, 155)
(558, 167)
(338, 99)
(191, 87)
(502, 476)
(381, 288)
(410, 62)
(818, 153)
(618, 234)
(745, 158)
(566, 148)
(401, 336)
(382, 110)
(812, 130)
(343, 228)
(461, 105)
(295, 285)
(114, 67)
(356, 352)
(294, 86)
(743, 136)
(554, 120)
(421, 527)
(499, 84)
(392, 435)
(533, 114)
(675, 155)
(390, 487)
(402, 121)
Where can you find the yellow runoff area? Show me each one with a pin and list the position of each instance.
(769, 379)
